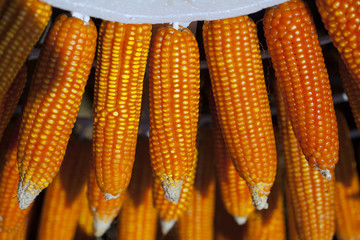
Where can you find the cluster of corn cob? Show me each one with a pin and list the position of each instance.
(182, 187)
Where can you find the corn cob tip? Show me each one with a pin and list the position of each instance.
(26, 196)
(240, 220)
(172, 189)
(166, 226)
(81, 16)
(325, 172)
(258, 196)
(108, 196)
(100, 227)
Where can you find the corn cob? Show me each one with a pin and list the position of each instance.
(10, 100)
(11, 216)
(174, 83)
(85, 227)
(138, 209)
(197, 221)
(342, 20)
(290, 217)
(52, 104)
(233, 56)
(300, 69)
(347, 198)
(121, 62)
(103, 211)
(311, 196)
(63, 200)
(21, 25)
(170, 212)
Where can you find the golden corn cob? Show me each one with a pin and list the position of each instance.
(197, 222)
(342, 20)
(138, 209)
(121, 61)
(300, 69)
(233, 56)
(11, 98)
(103, 211)
(174, 81)
(61, 208)
(53, 102)
(85, 227)
(21, 25)
(311, 196)
(290, 217)
(347, 198)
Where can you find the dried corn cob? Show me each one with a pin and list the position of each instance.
(170, 212)
(85, 228)
(11, 98)
(352, 91)
(347, 198)
(174, 103)
(61, 208)
(311, 196)
(103, 211)
(197, 221)
(53, 101)
(233, 56)
(138, 209)
(121, 62)
(342, 20)
(290, 217)
(300, 69)
(21, 25)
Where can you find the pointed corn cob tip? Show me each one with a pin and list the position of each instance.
(325, 172)
(259, 196)
(100, 227)
(108, 196)
(166, 226)
(172, 189)
(25, 196)
(240, 220)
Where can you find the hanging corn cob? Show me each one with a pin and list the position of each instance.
(11, 98)
(347, 197)
(290, 217)
(85, 227)
(233, 56)
(342, 20)
(138, 209)
(311, 196)
(61, 208)
(174, 103)
(103, 211)
(21, 25)
(52, 104)
(121, 62)
(300, 69)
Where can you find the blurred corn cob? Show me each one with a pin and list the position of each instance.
(61, 208)
(347, 197)
(342, 20)
(138, 215)
(300, 69)
(121, 62)
(85, 227)
(233, 56)
(291, 230)
(197, 222)
(53, 102)
(174, 104)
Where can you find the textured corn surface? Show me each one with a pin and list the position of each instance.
(300, 69)
(290, 217)
(61, 208)
(103, 211)
(121, 61)
(342, 20)
(138, 217)
(11, 98)
(22, 23)
(11, 216)
(174, 81)
(352, 90)
(233, 56)
(347, 197)
(85, 227)
(197, 223)
(53, 102)
(310, 195)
